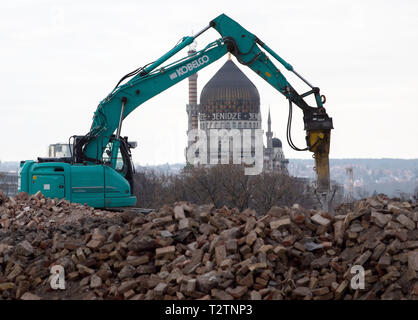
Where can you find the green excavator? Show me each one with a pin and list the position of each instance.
(99, 170)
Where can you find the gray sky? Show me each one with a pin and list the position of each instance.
(59, 59)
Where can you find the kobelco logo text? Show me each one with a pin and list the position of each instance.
(189, 67)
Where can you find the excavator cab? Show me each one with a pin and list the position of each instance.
(73, 178)
(124, 165)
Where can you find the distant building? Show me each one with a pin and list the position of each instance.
(231, 101)
(274, 159)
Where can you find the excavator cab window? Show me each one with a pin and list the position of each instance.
(120, 165)
(124, 163)
(128, 167)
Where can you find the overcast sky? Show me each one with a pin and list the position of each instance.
(59, 59)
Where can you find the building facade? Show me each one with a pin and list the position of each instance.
(9, 183)
(231, 101)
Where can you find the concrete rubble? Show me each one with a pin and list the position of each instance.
(186, 251)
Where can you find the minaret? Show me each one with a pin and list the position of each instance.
(192, 107)
(269, 134)
(269, 149)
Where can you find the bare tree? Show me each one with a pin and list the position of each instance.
(222, 185)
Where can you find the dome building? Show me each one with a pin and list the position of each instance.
(231, 101)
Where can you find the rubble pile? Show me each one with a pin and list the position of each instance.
(198, 252)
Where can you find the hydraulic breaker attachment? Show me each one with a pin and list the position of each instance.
(319, 143)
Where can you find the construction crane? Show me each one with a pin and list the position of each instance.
(99, 171)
